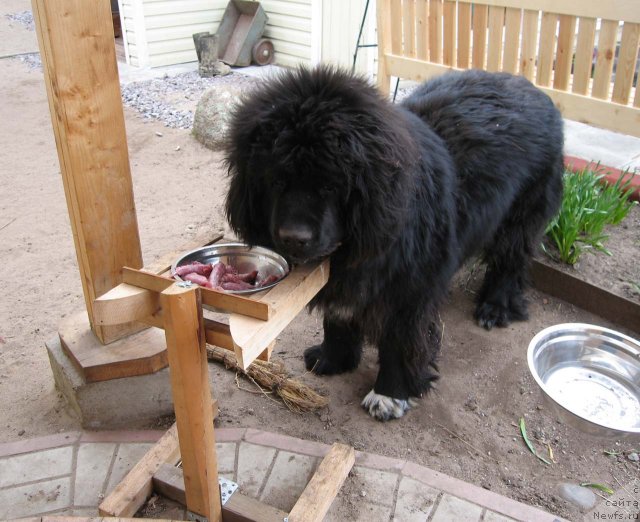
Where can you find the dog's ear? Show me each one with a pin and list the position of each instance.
(246, 198)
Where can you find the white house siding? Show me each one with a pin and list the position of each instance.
(289, 28)
(341, 21)
(159, 32)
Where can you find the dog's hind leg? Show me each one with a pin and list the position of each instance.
(501, 299)
(407, 356)
(339, 352)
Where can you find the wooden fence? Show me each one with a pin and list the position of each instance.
(568, 48)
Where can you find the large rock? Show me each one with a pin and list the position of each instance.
(213, 114)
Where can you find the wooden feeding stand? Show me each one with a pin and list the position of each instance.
(122, 299)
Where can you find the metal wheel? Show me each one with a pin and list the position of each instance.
(262, 52)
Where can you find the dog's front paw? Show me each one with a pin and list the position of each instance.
(489, 314)
(315, 362)
(384, 408)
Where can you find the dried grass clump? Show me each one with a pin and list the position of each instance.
(273, 376)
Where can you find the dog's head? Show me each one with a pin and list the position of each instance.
(316, 161)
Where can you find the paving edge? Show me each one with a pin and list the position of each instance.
(611, 174)
(445, 483)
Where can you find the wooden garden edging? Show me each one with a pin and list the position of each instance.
(418, 39)
(585, 295)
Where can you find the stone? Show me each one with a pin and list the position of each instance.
(453, 508)
(633, 457)
(376, 484)
(579, 496)
(213, 69)
(130, 401)
(35, 498)
(39, 465)
(253, 464)
(415, 501)
(290, 474)
(213, 115)
(92, 467)
(128, 455)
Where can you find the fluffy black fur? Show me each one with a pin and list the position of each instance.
(399, 196)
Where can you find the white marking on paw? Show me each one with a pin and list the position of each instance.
(384, 408)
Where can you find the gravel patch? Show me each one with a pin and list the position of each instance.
(32, 60)
(24, 18)
(173, 99)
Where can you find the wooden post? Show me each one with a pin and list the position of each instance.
(81, 75)
(186, 348)
(384, 45)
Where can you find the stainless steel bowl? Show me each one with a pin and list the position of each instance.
(591, 377)
(242, 257)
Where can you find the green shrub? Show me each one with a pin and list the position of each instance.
(588, 205)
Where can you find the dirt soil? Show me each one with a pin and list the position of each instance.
(466, 428)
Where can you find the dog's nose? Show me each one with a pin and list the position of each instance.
(295, 236)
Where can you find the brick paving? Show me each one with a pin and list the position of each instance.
(71, 473)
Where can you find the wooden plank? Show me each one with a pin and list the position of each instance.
(480, 16)
(529, 44)
(546, 48)
(587, 296)
(435, 31)
(229, 303)
(141, 353)
(137, 298)
(600, 113)
(449, 32)
(604, 61)
(513, 20)
(583, 61)
(125, 303)
(186, 348)
(564, 53)
(464, 36)
(422, 29)
(169, 482)
(626, 10)
(88, 124)
(494, 50)
(396, 26)
(133, 491)
(383, 18)
(323, 487)
(626, 63)
(409, 30)
(251, 337)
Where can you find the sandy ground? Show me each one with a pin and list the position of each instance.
(467, 428)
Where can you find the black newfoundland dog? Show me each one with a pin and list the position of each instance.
(399, 196)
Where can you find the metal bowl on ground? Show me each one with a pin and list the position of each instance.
(243, 258)
(591, 377)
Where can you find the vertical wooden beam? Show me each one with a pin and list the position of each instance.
(604, 61)
(479, 23)
(186, 348)
(81, 75)
(464, 35)
(383, 15)
(496, 29)
(529, 42)
(512, 22)
(449, 33)
(564, 53)
(422, 29)
(546, 49)
(435, 31)
(409, 28)
(583, 62)
(626, 63)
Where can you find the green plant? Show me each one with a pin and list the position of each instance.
(588, 205)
